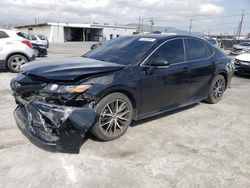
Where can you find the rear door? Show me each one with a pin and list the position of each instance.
(201, 67)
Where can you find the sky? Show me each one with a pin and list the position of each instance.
(208, 16)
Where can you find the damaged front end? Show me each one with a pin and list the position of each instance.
(54, 121)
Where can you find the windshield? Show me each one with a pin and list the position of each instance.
(212, 41)
(123, 50)
(244, 44)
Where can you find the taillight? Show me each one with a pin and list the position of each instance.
(27, 43)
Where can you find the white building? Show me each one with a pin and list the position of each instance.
(63, 32)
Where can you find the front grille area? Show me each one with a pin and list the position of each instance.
(236, 50)
(24, 85)
(239, 62)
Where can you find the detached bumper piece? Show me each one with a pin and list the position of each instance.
(54, 128)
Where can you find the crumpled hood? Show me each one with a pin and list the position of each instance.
(243, 57)
(239, 47)
(68, 69)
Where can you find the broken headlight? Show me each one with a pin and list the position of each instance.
(64, 89)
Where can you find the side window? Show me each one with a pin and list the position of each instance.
(197, 49)
(209, 51)
(3, 35)
(172, 51)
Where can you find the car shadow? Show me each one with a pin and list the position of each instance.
(140, 122)
(165, 114)
(247, 76)
(3, 70)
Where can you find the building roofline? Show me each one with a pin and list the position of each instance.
(66, 24)
(112, 26)
(31, 25)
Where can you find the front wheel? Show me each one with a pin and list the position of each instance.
(216, 90)
(115, 115)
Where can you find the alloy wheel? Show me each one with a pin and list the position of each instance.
(17, 62)
(36, 52)
(114, 117)
(218, 89)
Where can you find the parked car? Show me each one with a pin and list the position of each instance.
(39, 39)
(14, 50)
(129, 78)
(240, 48)
(213, 42)
(242, 63)
(40, 50)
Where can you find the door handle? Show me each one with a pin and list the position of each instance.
(8, 43)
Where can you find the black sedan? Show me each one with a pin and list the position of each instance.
(126, 79)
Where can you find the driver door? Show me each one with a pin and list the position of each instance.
(164, 86)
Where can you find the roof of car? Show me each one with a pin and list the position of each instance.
(10, 32)
(5, 30)
(164, 36)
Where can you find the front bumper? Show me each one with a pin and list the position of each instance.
(54, 128)
(242, 67)
(236, 52)
(43, 51)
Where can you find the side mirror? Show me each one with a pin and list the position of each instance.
(159, 63)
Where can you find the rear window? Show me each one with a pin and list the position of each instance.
(32, 37)
(41, 37)
(22, 35)
(3, 35)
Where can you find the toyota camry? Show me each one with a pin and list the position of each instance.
(126, 79)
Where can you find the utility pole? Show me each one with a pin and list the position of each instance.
(139, 25)
(240, 24)
(142, 27)
(151, 20)
(190, 27)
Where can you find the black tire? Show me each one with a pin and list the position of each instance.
(106, 127)
(15, 61)
(216, 91)
(36, 52)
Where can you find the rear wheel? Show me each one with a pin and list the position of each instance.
(15, 61)
(115, 115)
(217, 89)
